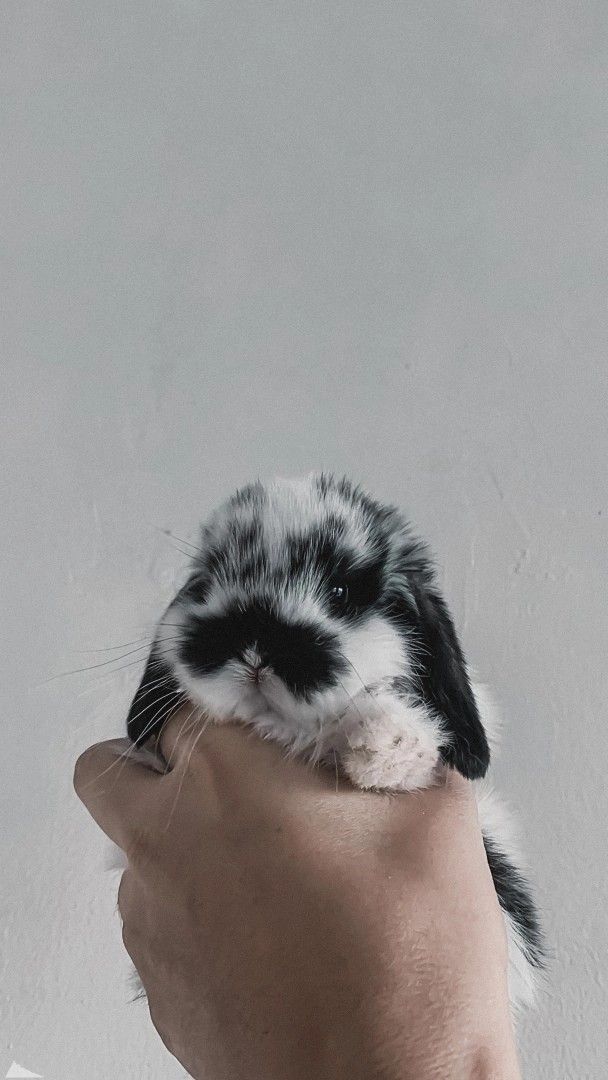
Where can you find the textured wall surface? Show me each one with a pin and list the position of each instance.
(246, 239)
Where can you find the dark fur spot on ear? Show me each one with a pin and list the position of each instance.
(157, 697)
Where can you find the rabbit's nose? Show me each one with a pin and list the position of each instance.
(257, 660)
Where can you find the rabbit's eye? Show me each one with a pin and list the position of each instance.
(339, 593)
(338, 599)
(355, 593)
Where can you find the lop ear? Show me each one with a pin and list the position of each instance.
(444, 684)
(157, 697)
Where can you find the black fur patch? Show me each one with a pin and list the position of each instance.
(439, 676)
(303, 656)
(314, 550)
(515, 898)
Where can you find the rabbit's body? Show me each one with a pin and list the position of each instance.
(311, 613)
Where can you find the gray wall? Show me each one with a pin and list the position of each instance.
(242, 239)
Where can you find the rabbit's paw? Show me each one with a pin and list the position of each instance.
(389, 743)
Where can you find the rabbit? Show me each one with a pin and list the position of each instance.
(311, 613)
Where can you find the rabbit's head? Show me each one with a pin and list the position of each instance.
(302, 593)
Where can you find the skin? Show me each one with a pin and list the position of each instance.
(285, 925)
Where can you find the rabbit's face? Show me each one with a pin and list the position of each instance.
(286, 607)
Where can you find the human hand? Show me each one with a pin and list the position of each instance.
(286, 926)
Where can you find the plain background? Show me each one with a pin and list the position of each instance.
(255, 239)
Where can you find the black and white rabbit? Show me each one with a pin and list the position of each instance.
(311, 613)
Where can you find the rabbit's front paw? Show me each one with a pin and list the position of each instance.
(389, 743)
